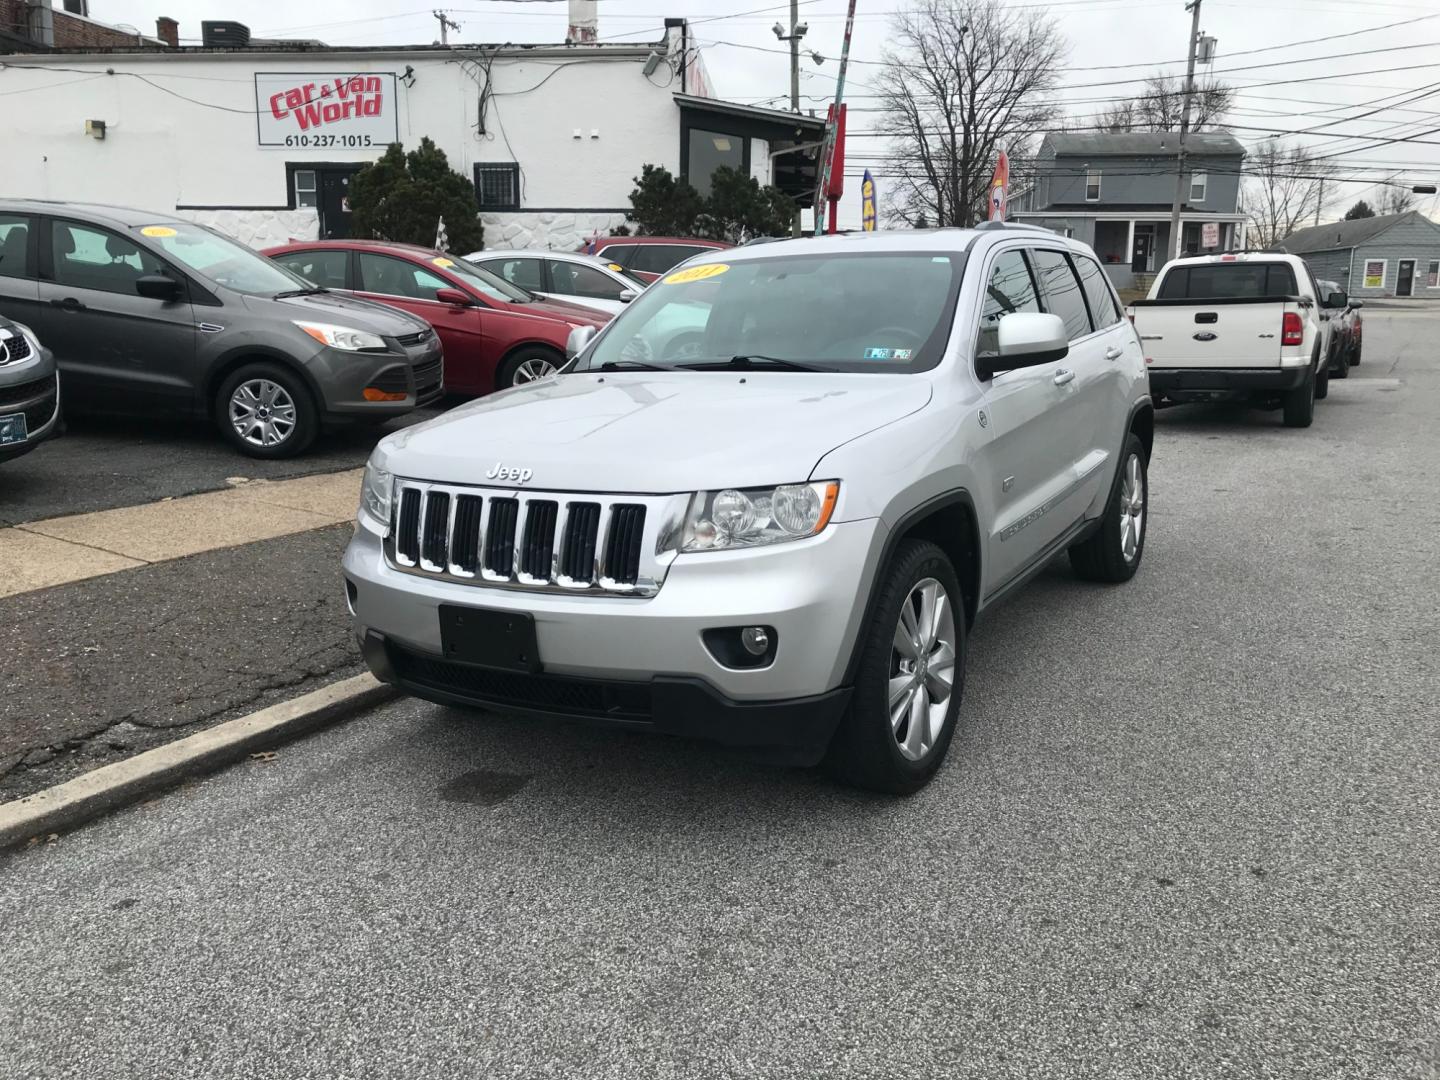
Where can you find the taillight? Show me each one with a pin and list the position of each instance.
(1292, 331)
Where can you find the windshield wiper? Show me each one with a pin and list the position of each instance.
(313, 290)
(631, 365)
(745, 363)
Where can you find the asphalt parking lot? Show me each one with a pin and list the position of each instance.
(1189, 828)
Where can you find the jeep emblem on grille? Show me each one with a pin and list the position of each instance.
(506, 472)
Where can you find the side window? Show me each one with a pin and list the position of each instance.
(328, 269)
(14, 240)
(527, 273)
(1060, 290)
(396, 277)
(89, 258)
(1011, 288)
(573, 279)
(1097, 291)
(657, 258)
(620, 253)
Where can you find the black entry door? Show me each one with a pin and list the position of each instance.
(335, 203)
(1140, 260)
(1405, 281)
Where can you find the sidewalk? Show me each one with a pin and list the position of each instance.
(122, 629)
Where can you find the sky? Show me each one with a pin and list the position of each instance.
(1351, 59)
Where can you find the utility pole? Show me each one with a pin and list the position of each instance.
(797, 31)
(446, 25)
(1176, 238)
(1319, 202)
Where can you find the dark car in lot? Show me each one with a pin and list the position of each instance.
(496, 334)
(1345, 344)
(152, 315)
(29, 391)
(647, 257)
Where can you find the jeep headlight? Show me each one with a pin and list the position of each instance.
(375, 494)
(749, 517)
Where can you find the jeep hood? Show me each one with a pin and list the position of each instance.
(654, 432)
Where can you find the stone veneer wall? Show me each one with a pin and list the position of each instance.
(261, 228)
(550, 232)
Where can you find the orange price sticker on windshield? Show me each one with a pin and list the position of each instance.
(157, 231)
(697, 273)
(444, 264)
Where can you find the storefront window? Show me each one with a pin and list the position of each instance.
(709, 150)
(305, 194)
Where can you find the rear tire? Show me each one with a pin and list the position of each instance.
(1355, 354)
(1299, 403)
(1113, 553)
(1342, 369)
(870, 748)
(266, 411)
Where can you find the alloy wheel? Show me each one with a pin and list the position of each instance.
(262, 412)
(1132, 509)
(533, 370)
(922, 668)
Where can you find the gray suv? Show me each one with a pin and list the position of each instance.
(781, 534)
(152, 315)
(29, 391)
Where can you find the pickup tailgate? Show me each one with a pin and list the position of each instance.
(1216, 334)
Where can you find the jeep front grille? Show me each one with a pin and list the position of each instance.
(545, 541)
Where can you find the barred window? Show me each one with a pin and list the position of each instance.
(497, 186)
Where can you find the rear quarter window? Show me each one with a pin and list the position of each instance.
(1228, 281)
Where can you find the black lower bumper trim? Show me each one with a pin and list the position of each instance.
(1234, 380)
(672, 705)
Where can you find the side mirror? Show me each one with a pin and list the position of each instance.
(454, 296)
(1357, 304)
(158, 287)
(1337, 300)
(626, 295)
(1027, 339)
(578, 339)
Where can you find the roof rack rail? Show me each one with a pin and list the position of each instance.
(1006, 226)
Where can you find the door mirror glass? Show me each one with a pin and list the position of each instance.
(1337, 300)
(579, 338)
(626, 295)
(157, 287)
(454, 296)
(1026, 339)
(1357, 303)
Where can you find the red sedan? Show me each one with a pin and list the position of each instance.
(495, 334)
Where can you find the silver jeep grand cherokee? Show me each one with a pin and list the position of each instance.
(766, 504)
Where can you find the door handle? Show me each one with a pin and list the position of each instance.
(69, 304)
(1112, 353)
(1063, 376)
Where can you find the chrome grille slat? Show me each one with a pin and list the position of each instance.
(535, 541)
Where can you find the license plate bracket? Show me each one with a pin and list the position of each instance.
(488, 638)
(12, 429)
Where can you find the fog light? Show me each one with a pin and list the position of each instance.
(372, 394)
(755, 640)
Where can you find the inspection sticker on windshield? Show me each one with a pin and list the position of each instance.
(697, 273)
(157, 231)
(444, 264)
(888, 354)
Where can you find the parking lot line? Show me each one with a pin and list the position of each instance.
(65, 549)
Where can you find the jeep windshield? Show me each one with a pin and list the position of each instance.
(857, 312)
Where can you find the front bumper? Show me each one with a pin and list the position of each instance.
(812, 593)
(417, 372)
(1214, 384)
(38, 397)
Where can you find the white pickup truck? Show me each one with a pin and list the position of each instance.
(1239, 327)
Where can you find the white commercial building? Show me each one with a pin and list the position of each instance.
(261, 138)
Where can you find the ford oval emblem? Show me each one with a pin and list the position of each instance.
(1204, 335)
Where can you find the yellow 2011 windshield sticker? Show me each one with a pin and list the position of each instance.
(157, 231)
(697, 273)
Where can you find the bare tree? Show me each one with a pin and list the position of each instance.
(1284, 189)
(1160, 106)
(1394, 199)
(966, 78)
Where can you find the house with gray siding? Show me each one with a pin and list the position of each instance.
(1389, 255)
(1115, 190)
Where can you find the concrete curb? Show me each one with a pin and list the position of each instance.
(76, 801)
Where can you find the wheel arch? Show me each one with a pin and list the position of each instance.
(948, 521)
(234, 360)
(1142, 425)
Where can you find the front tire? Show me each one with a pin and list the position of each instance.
(527, 366)
(1113, 553)
(266, 411)
(1300, 403)
(902, 717)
